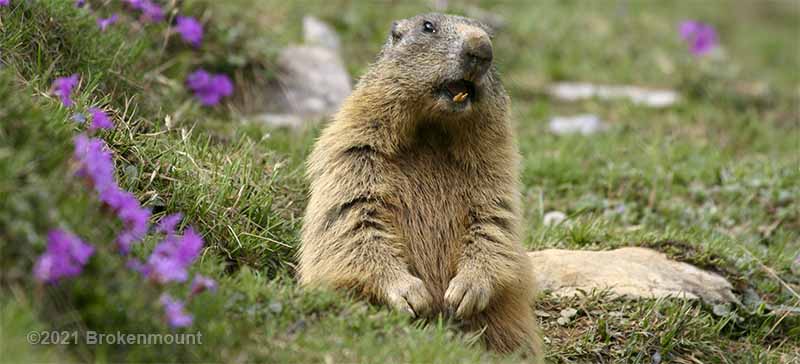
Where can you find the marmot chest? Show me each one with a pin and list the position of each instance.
(434, 188)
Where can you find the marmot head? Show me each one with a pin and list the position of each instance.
(440, 63)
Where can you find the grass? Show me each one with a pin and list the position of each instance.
(713, 180)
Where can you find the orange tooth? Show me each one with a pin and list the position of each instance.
(460, 97)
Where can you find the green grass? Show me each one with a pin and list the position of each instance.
(714, 180)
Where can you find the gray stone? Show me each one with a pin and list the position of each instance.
(656, 358)
(553, 218)
(721, 309)
(568, 313)
(585, 124)
(318, 33)
(312, 81)
(573, 91)
(629, 272)
(281, 120)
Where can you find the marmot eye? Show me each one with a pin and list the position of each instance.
(428, 27)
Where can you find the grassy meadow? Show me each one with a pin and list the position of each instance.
(713, 180)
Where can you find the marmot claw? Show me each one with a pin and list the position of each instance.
(467, 295)
(409, 294)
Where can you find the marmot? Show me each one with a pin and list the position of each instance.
(414, 187)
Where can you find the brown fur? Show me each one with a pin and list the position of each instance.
(414, 202)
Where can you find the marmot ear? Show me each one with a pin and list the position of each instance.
(395, 34)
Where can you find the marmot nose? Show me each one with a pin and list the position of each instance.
(477, 53)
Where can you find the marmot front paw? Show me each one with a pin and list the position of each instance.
(467, 295)
(409, 294)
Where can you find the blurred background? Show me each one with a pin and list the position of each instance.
(668, 125)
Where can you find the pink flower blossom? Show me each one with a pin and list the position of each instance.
(95, 163)
(104, 23)
(137, 266)
(151, 12)
(701, 37)
(65, 257)
(202, 283)
(136, 4)
(208, 88)
(4, 2)
(173, 255)
(99, 119)
(168, 223)
(190, 30)
(174, 311)
(62, 87)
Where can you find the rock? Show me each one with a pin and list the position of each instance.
(721, 309)
(585, 124)
(312, 81)
(751, 299)
(568, 313)
(281, 120)
(656, 358)
(572, 91)
(553, 218)
(318, 33)
(630, 272)
(566, 316)
(313, 78)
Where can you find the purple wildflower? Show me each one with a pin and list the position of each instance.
(136, 265)
(62, 87)
(99, 119)
(201, 283)
(173, 255)
(190, 30)
(136, 4)
(80, 3)
(151, 12)
(103, 23)
(701, 37)
(168, 223)
(135, 218)
(5, 2)
(174, 311)
(137, 222)
(208, 88)
(66, 255)
(95, 163)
